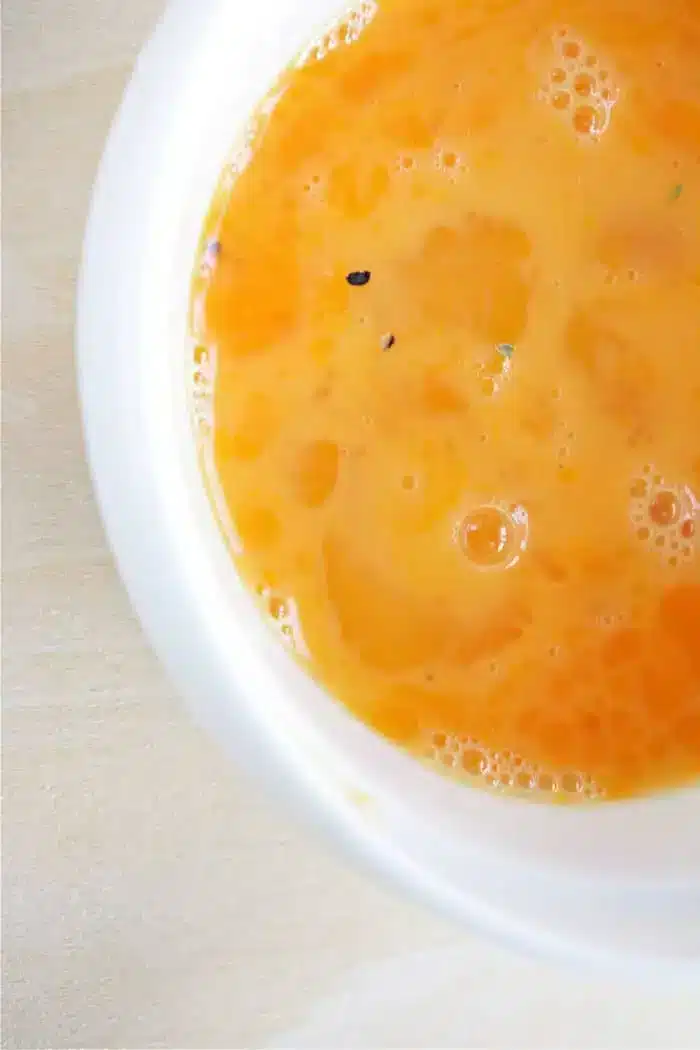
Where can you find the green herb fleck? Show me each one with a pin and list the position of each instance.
(506, 349)
(676, 191)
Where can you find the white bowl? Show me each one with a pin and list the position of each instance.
(614, 883)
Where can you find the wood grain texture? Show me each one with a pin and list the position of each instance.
(143, 901)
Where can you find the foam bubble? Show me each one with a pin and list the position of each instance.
(467, 759)
(664, 516)
(343, 32)
(203, 373)
(493, 535)
(449, 162)
(282, 613)
(577, 89)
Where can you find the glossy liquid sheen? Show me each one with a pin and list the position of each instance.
(453, 302)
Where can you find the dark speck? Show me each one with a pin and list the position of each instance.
(358, 277)
(388, 341)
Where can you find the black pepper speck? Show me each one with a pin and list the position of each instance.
(358, 277)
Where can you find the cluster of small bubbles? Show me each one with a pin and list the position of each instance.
(449, 162)
(202, 388)
(345, 31)
(664, 516)
(579, 88)
(245, 147)
(282, 614)
(239, 160)
(466, 758)
(313, 187)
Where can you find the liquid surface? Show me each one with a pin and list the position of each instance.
(452, 309)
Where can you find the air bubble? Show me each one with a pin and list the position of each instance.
(506, 770)
(584, 84)
(277, 607)
(571, 49)
(587, 121)
(571, 783)
(574, 75)
(664, 509)
(492, 537)
(472, 761)
(485, 536)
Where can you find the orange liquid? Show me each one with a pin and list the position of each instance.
(467, 488)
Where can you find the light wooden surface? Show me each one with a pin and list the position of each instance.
(151, 898)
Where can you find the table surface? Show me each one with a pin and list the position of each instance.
(152, 897)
